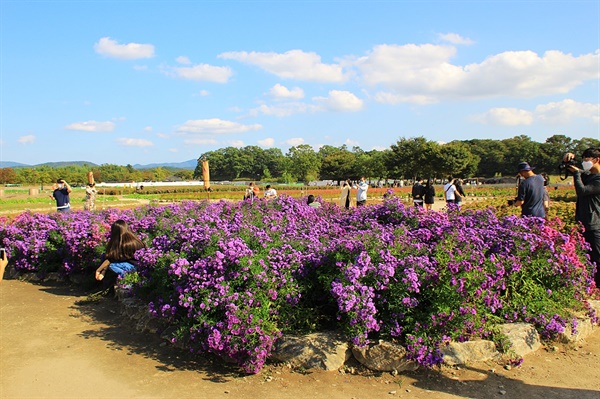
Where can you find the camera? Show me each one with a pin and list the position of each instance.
(563, 168)
(511, 202)
(2, 253)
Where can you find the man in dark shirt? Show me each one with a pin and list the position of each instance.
(587, 210)
(61, 195)
(530, 196)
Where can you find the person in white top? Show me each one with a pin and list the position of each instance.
(270, 192)
(361, 195)
(450, 191)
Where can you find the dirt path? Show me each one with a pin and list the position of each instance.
(50, 347)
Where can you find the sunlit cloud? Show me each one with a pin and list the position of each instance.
(200, 73)
(280, 92)
(215, 126)
(342, 101)
(455, 38)
(130, 51)
(565, 111)
(267, 143)
(295, 141)
(505, 117)
(201, 141)
(92, 126)
(293, 64)
(129, 142)
(183, 60)
(29, 139)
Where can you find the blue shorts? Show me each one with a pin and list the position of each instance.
(121, 267)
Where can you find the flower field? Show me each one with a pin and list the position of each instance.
(234, 277)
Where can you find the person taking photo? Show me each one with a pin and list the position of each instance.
(587, 209)
(530, 194)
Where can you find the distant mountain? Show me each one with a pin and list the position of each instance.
(67, 163)
(188, 165)
(9, 164)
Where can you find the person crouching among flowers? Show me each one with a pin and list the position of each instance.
(120, 255)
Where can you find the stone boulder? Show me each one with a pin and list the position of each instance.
(523, 338)
(327, 351)
(468, 352)
(383, 356)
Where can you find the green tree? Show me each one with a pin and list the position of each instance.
(337, 163)
(305, 163)
(412, 157)
(491, 154)
(456, 159)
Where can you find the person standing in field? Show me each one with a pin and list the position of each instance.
(60, 194)
(429, 195)
(418, 191)
(361, 194)
(345, 195)
(587, 208)
(530, 195)
(450, 191)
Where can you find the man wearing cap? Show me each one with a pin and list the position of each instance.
(587, 208)
(61, 191)
(530, 196)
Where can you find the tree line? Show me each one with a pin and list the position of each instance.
(405, 159)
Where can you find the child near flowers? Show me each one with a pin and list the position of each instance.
(119, 257)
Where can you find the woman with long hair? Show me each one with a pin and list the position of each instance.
(120, 252)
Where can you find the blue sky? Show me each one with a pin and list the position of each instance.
(130, 82)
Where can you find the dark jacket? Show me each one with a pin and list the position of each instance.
(587, 211)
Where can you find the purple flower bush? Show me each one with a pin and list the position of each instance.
(234, 277)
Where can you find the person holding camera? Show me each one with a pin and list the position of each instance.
(530, 194)
(587, 208)
(61, 191)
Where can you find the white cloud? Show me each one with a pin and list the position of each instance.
(296, 141)
(268, 142)
(215, 126)
(505, 117)
(131, 51)
(393, 99)
(92, 126)
(183, 60)
(425, 74)
(201, 72)
(455, 38)
(148, 128)
(351, 143)
(567, 110)
(201, 141)
(293, 64)
(342, 101)
(280, 92)
(283, 109)
(203, 93)
(236, 143)
(129, 142)
(29, 139)
(162, 135)
(554, 113)
(173, 150)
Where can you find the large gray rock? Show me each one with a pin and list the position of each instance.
(582, 330)
(384, 356)
(327, 351)
(523, 338)
(468, 352)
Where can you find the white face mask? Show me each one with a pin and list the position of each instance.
(587, 165)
